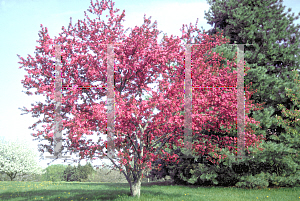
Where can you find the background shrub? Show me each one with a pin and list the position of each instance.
(107, 175)
(257, 181)
(54, 173)
(70, 174)
(271, 164)
(84, 171)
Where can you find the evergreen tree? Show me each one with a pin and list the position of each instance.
(293, 138)
(70, 173)
(79, 173)
(84, 171)
(89, 168)
(265, 25)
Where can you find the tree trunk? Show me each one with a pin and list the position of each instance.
(135, 188)
(147, 176)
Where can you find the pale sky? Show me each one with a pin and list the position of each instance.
(20, 21)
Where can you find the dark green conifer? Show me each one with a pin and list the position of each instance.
(265, 25)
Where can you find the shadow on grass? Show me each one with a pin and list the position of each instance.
(125, 185)
(79, 191)
(54, 195)
(159, 183)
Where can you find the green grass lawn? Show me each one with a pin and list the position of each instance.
(22, 190)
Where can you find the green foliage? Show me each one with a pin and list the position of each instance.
(264, 24)
(257, 181)
(227, 51)
(70, 174)
(276, 162)
(195, 170)
(108, 175)
(85, 171)
(269, 164)
(54, 173)
(79, 173)
(290, 124)
(203, 172)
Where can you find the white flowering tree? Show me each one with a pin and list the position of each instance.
(16, 158)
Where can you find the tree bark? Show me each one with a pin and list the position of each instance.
(135, 188)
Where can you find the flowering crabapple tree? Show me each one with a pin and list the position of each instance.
(140, 133)
(221, 114)
(15, 159)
